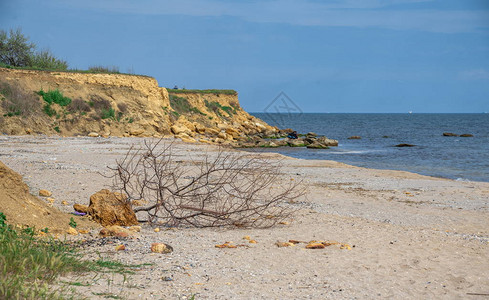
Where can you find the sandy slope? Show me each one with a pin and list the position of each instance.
(415, 237)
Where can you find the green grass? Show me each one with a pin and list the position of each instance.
(67, 71)
(54, 96)
(108, 114)
(29, 264)
(217, 107)
(212, 91)
(49, 110)
(182, 106)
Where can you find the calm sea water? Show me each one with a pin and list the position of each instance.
(434, 155)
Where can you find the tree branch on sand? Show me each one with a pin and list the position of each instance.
(220, 189)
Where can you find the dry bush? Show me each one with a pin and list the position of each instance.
(16, 101)
(99, 103)
(224, 189)
(79, 105)
(122, 107)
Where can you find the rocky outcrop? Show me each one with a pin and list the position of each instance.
(125, 105)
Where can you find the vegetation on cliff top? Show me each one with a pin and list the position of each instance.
(212, 91)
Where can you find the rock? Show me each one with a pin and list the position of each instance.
(317, 145)
(212, 131)
(109, 208)
(404, 145)
(120, 248)
(327, 142)
(64, 202)
(449, 134)
(50, 200)
(309, 140)
(161, 248)
(135, 228)
(222, 135)
(72, 231)
(45, 193)
(157, 229)
(355, 137)
(80, 208)
(296, 143)
(199, 128)
(28, 131)
(311, 134)
(315, 246)
(466, 135)
(117, 231)
(93, 134)
(179, 128)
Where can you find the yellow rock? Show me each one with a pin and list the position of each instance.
(135, 228)
(50, 200)
(120, 247)
(315, 246)
(45, 193)
(247, 237)
(93, 134)
(253, 242)
(72, 231)
(83, 231)
(161, 248)
(157, 229)
(64, 202)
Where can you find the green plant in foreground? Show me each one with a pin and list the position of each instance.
(29, 264)
(72, 222)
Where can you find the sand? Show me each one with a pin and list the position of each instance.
(412, 236)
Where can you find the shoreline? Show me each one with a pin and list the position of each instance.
(415, 236)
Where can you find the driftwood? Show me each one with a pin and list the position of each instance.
(219, 189)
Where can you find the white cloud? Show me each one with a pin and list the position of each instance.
(345, 13)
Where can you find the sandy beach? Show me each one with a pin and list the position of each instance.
(411, 236)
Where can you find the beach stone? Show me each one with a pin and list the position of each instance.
(405, 145)
(111, 208)
(50, 200)
(72, 231)
(45, 193)
(179, 128)
(161, 248)
(449, 134)
(116, 230)
(135, 228)
(93, 134)
(466, 135)
(80, 208)
(355, 137)
(120, 248)
(136, 131)
(311, 134)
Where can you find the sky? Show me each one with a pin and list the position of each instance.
(359, 56)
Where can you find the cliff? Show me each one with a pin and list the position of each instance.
(119, 105)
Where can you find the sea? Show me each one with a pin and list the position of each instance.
(459, 158)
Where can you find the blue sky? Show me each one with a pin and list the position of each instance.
(327, 56)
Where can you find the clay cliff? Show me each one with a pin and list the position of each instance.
(120, 105)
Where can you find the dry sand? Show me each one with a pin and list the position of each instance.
(414, 237)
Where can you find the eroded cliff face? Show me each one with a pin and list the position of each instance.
(120, 105)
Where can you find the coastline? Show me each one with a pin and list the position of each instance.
(414, 235)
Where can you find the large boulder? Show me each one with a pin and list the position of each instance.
(317, 145)
(111, 208)
(327, 142)
(296, 142)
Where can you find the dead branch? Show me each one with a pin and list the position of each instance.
(218, 189)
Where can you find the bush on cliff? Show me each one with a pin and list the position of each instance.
(16, 101)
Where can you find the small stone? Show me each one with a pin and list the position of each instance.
(247, 237)
(50, 200)
(315, 246)
(72, 231)
(83, 231)
(45, 193)
(157, 229)
(253, 242)
(161, 248)
(93, 134)
(120, 247)
(284, 223)
(64, 202)
(135, 228)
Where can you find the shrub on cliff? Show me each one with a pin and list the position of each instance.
(16, 101)
(54, 96)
